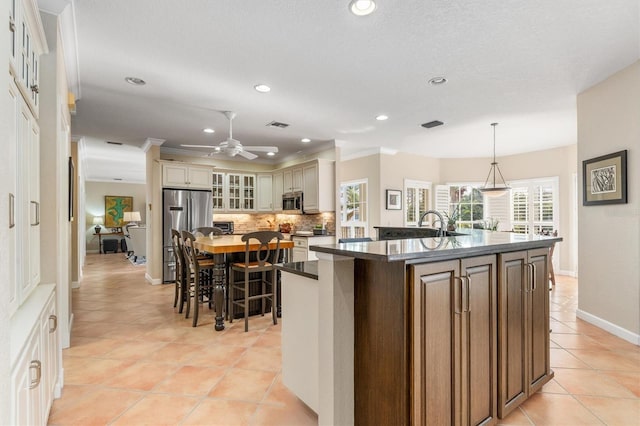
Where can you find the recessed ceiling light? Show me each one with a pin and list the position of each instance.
(135, 81)
(208, 130)
(362, 7)
(262, 88)
(305, 140)
(271, 154)
(435, 81)
(382, 117)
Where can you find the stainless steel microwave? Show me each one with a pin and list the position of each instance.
(292, 203)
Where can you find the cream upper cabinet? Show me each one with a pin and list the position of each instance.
(318, 187)
(265, 192)
(187, 176)
(218, 192)
(277, 190)
(241, 190)
(292, 180)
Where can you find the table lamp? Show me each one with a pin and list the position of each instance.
(132, 218)
(97, 221)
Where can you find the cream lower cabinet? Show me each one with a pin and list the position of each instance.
(34, 357)
(523, 324)
(454, 342)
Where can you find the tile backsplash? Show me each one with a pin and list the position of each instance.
(244, 223)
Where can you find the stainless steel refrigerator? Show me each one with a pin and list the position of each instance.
(182, 209)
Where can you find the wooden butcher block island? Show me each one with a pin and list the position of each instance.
(448, 330)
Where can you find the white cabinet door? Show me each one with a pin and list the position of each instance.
(175, 175)
(218, 192)
(24, 210)
(297, 180)
(26, 382)
(248, 192)
(278, 189)
(234, 191)
(49, 353)
(265, 193)
(287, 181)
(34, 203)
(310, 191)
(200, 177)
(12, 186)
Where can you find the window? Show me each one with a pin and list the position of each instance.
(468, 203)
(416, 201)
(354, 209)
(534, 206)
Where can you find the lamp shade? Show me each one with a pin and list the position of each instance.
(132, 217)
(97, 220)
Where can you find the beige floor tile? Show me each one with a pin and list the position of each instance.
(515, 418)
(217, 412)
(261, 358)
(175, 353)
(96, 408)
(553, 387)
(223, 356)
(142, 376)
(279, 394)
(156, 410)
(608, 360)
(563, 359)
(191, 380)
(134, 350)
(554, 409)
(83, 371)
(628, 379)
(576, 341)
(88, 346)
(244, 385)
(590, 382)
(269, 340)
(613, 411)
(273, 415)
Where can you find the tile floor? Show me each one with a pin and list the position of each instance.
(134, 360)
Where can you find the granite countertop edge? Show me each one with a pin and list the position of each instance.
(308, 269)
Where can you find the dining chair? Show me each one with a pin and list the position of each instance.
(199, 277)
(257, 268)
(205, 231)
(181, 290)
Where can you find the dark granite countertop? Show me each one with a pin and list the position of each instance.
(307, 269)
(476, 242)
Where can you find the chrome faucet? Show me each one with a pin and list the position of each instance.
(440, 218)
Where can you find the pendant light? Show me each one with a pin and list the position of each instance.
(492, 189)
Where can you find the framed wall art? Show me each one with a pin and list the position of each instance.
(604, 179)
(394, 199)
(114, 208)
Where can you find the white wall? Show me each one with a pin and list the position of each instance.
(609, 246)
(94, 204)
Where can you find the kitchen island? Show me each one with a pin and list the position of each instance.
(431, 330)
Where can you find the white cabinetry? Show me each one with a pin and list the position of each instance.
(241, 190)
(292, 180)
(318, 187)
(218, 192)
(301, 244)
(277, 190)
(34, 357)
(265, 193)
(187, 176)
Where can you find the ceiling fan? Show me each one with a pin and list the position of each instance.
(232, 147)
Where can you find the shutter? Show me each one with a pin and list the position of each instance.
(520, 209)
(497, 208)
(442, 198)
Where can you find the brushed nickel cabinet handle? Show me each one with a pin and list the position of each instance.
(12, 210)
(468, 278)
(53, 328)
(534, 285)
(455, 308)
(12, 25)
(37, 204)
(37, 367)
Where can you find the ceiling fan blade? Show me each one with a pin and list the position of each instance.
(247, 155)
(261, 148)
(201, 146)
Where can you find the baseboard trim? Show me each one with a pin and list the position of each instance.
(93, 251)
(75, 284)
(57, 389)
(612, 328)
(153, 281)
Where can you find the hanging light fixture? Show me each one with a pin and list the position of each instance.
(492, 189)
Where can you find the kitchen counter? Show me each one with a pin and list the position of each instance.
(473, 243)
(400, 320)
(307, 269)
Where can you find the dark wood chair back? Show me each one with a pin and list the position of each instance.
(264, 254)
(205, 231)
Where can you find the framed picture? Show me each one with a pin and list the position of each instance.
(72, 179)
(604, 179)
(114, 208)
(394, 199)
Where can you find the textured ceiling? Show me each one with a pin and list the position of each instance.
(520, 63)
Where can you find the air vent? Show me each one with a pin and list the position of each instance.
(434, 123)
(114, 143)
(278, 125)
(117, 178)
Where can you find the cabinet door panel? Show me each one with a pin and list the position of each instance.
(539, 320)
(435, 343)
(481, 337)
(512, 326)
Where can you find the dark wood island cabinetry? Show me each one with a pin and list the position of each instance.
(451, 330)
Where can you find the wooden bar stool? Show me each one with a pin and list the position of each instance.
(200, 277)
